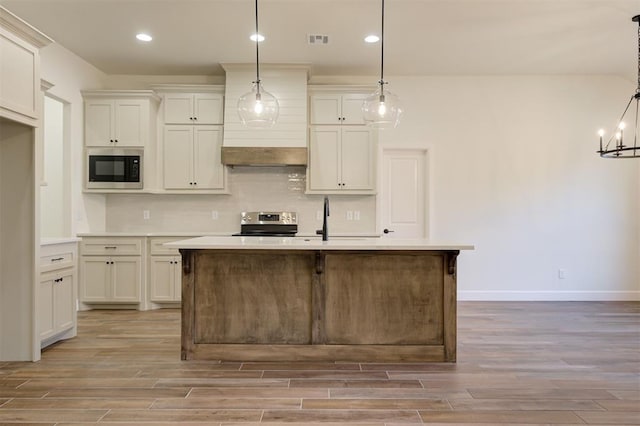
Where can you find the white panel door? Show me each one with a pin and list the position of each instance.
(96, 279)
(64, 302)
(46, 326)
(178, 157)
(403, 193)
(178, 108)
(98, 123)
(325, 109)
(162, 278)
(208, 108)
(126, 277)
(324, 157)
(130, 123)
(207, 162)
(357, 158)
(352, 109)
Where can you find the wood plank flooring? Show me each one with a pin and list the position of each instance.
(534, 363)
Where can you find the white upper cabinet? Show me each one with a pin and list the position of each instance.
(193, 108)
(19, 68)
(192, 158)
(341, 160)
(342, 149)
(337, 108)
(118, 119)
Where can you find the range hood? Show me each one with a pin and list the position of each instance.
(263, 156)
(285, 144)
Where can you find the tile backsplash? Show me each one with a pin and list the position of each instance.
(252, 188)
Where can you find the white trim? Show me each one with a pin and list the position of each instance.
(23, 29)
(577, 296)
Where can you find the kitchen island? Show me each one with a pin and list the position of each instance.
(303, 299)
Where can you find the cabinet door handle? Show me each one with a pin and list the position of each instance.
(57, 259)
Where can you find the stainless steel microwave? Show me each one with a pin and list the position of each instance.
(114, 168)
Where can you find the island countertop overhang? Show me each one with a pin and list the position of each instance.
(306, 243)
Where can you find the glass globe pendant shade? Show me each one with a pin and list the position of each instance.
(258, 108)
(382, 109)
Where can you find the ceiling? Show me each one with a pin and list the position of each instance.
(422, 37)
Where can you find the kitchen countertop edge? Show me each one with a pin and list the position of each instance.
(301, 243)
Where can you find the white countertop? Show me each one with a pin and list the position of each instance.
(312, 243)
(59, 240)
(211, 234)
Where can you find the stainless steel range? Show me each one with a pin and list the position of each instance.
(268, 224)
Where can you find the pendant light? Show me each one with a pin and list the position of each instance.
(619, 149)
(382, 108)
(258, 108)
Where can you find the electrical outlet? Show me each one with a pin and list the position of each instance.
(356, 215)
(214, 214)
(146, 214)
(319, 215)
(562, 274)
(349, 215)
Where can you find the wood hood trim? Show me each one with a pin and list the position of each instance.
(264, 156)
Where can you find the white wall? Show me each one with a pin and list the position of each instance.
(70, 75)
(514, 171)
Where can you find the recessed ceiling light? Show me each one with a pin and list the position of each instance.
(372, 38)
(259, 37)
(144, 37)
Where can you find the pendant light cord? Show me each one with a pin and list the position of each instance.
(257, 52)
(382, 47)
(638, 89)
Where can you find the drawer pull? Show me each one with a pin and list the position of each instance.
(57, 259)
(58, 280)
(111, 247)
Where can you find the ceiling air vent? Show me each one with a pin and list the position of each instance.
(318, 39)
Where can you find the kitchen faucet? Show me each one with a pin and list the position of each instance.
(325, 229)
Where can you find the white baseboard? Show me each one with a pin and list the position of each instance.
(591, 296)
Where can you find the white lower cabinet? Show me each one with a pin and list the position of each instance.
(107, 277)
(165, 278)
(111, 279)
(57, 292)
(165, 271)
(57, 304)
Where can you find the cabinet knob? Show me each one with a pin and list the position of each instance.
(195, 118)
(110, 140)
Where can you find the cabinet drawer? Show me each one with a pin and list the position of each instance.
(111, 246)
(156, 246)
(54, 257)
(59, 260)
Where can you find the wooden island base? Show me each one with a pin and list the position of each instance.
(314, 305)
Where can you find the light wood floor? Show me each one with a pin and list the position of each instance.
(518, 363)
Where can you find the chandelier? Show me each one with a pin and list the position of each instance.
(615, 146)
